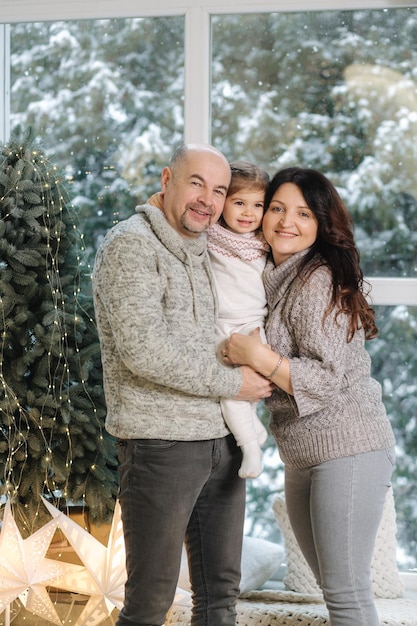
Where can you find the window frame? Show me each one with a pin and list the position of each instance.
(197, 111)
(197, 34)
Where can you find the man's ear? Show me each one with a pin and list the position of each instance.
(166, 176)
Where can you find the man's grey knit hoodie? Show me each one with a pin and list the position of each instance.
(155, 310)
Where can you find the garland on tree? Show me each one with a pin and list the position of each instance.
(52, 408)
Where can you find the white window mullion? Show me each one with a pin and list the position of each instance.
(393, 291)
(5, 82)
(197, 76)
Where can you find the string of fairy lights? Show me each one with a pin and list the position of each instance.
(20, 419)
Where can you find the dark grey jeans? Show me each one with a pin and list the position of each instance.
(171, 491)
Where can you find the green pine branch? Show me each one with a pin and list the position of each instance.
(52, 408)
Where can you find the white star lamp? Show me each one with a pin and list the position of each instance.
(104, 573)
(24, 571)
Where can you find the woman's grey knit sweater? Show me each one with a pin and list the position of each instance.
(155, 311)
(336, 409)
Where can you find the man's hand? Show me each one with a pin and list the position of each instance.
(254, 386)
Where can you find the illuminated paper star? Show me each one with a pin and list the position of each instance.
(104, 573)
(24, 572)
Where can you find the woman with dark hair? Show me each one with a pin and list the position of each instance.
(327, 414)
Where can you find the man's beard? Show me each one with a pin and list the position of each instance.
(191, 225)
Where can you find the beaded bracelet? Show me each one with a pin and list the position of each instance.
(276, 368)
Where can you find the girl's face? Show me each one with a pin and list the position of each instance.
(243, 211)
(289, 225)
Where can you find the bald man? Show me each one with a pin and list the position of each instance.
(156, 310)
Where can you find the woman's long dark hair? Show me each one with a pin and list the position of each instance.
(334, 247)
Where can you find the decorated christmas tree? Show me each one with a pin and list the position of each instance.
(52, 408)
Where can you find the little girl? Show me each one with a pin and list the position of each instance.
(238, 252)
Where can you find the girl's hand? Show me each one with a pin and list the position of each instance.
(244, 349)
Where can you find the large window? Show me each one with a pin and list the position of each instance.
(110, 92)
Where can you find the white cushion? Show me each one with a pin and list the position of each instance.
(386, 582)
(260, 559)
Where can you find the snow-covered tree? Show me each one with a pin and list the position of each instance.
(95, 91)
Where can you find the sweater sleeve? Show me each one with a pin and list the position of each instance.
(155, 344)
(318, 370)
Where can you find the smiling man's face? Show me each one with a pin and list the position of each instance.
(194, 191)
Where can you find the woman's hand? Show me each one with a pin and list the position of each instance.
(249, 350)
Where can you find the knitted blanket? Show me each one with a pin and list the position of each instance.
(274, 608)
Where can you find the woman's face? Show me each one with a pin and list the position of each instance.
(289, 225)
